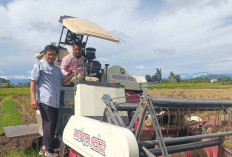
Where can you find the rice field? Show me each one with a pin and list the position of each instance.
(218, 94)
(21, 99)
(16, 109)
(14, 91)
(217, 85)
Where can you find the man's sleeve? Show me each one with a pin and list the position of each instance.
(35, 73)
(62, 77)
(63, 66)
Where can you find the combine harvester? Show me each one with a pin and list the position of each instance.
(116, 118)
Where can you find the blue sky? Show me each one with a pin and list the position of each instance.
(184, 36)
(4, 2)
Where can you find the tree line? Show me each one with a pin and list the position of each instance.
(2, 80)
(10, 85)
(173, 78)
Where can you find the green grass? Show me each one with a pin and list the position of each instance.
(10, 115)
(14, 91)
(193, 86)
(24, 153)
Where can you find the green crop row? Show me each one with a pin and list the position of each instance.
(14, 91)
(10, 115)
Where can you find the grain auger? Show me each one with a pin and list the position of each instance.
(174, 126)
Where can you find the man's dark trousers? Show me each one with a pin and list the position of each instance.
(49, 120)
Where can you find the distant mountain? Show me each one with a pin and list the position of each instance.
(200, 74)
(228, 75)
(185, 76)
(214, 76)
(17, 81)
(204, 75)
(195, 75)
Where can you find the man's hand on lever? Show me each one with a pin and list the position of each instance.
(69, 77)
(76, 70)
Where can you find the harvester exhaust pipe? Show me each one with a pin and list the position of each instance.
(84, 67)
(106, 65)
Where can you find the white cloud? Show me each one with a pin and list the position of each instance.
(194, 3)
(168, 51)
(140, 67)
(4, 36)
(101, 59)
(15, 77)
(120, 35)
(175, 36)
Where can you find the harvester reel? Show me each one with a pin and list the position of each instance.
(157, 108)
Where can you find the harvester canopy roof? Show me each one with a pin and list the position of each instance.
(84, 27)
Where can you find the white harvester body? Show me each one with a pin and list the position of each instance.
(88, 99)
(93, 138)
(117, 74)
(87, 134)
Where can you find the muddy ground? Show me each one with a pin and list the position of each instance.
(24, 143)
(17, 144)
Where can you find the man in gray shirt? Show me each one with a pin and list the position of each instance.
(46, 79)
